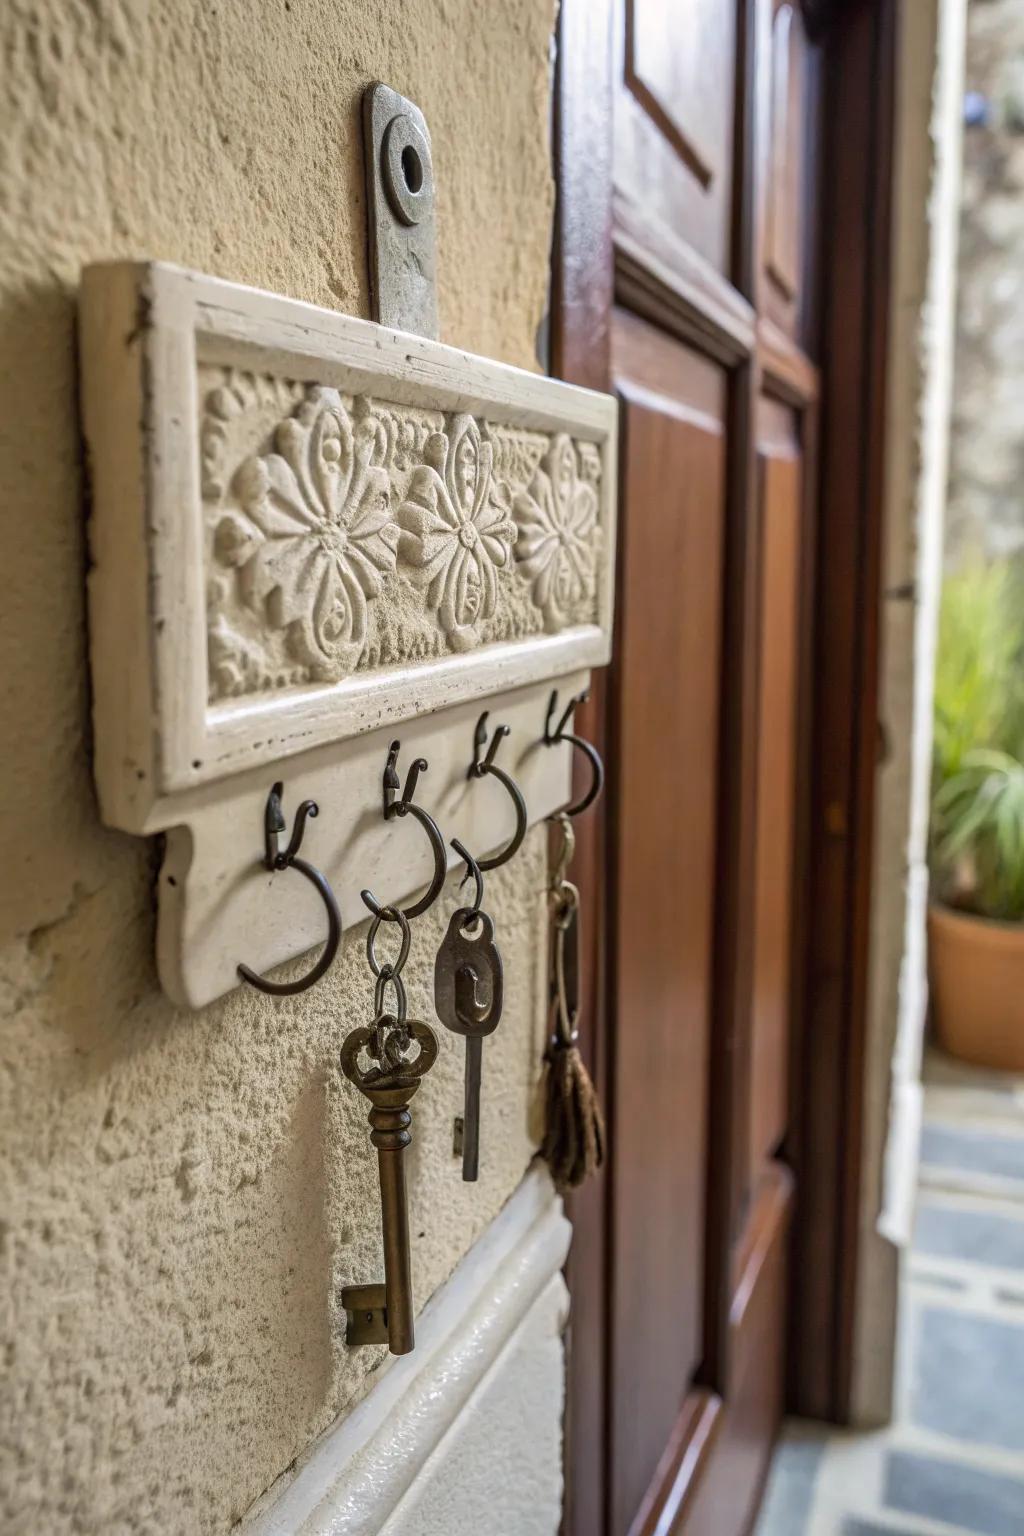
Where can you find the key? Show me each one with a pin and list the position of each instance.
(389, 1083)
(468, 988)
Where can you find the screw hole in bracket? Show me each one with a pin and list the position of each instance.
(412, 168)
(406, 170)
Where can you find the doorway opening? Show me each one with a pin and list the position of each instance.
(937, 1391)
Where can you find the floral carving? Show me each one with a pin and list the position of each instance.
(318, 503)
(456, 531)
(318, 535)
(558, 534)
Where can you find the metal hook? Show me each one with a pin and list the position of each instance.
(392, 783)
(590, 752)
(482, 765)
(473, 871)
(275, 861)
(404, 807)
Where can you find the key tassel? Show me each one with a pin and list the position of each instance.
(574, 1136)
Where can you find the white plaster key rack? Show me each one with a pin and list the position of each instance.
(311, 536)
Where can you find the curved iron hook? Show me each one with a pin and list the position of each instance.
(590, 752)
(275, 861)
(484, 764)
(404, 807)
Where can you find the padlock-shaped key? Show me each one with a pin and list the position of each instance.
(468, 988)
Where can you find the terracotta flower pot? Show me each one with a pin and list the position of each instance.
(977, 987)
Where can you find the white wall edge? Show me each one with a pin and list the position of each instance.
(927, 164)
(902, 1157)
(352, 1478)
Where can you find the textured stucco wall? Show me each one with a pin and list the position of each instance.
(183, 1195)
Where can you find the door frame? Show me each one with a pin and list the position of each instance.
(837, 742)
(583, 292)
(842, 753)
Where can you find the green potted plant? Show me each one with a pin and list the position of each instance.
(976, 920)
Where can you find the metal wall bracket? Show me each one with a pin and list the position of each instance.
(400, 195)
(367, 1310)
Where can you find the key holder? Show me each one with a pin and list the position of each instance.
(406, 806)
(552, 738)
(275, 861)
(379, 1314)
(483, 764)
(266, 476)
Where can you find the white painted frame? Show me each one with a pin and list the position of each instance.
(144, 329)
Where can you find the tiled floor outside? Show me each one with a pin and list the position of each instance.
(953, 1460)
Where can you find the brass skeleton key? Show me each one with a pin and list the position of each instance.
(468, 990)
(389, 1084)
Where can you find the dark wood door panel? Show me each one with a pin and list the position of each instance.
(725, 1496)
(785, 67)
(675, 118)
(682, 1466)
(666, 706)
(710, 1478)
(677, 75)
(780, 495)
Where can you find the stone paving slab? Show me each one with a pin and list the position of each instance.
(952, 1463)
(988, 1503)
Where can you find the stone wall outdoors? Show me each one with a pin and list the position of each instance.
(985, 510)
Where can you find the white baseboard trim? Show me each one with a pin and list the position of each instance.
(353, 1477)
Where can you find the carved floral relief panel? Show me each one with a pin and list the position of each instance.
(346, 534)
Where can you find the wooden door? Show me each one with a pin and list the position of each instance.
(704, 323)
(708, 352)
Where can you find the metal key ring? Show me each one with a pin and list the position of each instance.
(387, 973)
(390, 915)
(473, 869)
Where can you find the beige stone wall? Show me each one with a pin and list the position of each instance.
(985, 511)
(184, 1195)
